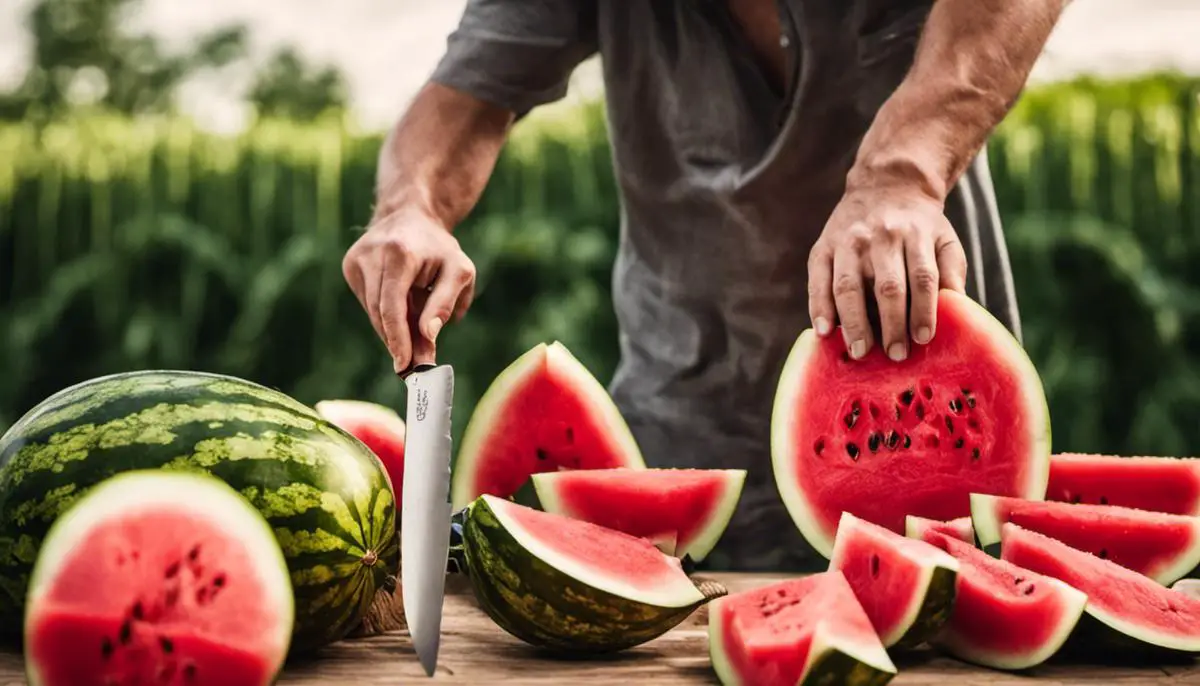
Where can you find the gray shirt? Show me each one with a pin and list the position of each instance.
(725, 184)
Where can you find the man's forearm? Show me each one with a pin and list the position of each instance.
(971, 63)
(439, 156)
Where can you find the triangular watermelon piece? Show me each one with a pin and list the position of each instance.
(1161, 546)
(690, 507)
(1157, 484)
(1130, 609)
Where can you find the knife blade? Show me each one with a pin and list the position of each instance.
(425, 508)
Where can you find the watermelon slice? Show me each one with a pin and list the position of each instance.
(1163, 547)
(1129, 609)
(544, 413)
(158, 577)
(805, 632)
(1158, 484)
(378, 427)
(690, 507)
(961, 528)
(906, 586)
(1004, 617)
(573, 586)
(882, 439)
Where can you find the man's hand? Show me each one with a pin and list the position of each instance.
(892, 241)
(411, 277)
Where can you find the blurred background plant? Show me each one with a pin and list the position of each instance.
(131, 238)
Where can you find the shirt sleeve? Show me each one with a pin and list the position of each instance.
(518, 54)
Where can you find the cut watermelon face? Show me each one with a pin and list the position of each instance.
(571, 585)
(688, 507)
(1157, 484)
(1161, 546)
(906, 586)
(1004, 616)
(544, 413)
(1132, 608)
(882, 439)
(380, 428)
(159, 577)
(961, 528)
(805, 631)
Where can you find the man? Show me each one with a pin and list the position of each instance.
(780, 162)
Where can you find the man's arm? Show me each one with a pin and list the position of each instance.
(971, 62)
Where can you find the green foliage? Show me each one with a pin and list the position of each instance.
(138, 245)
(288, 87)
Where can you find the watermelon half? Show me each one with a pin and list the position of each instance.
(961, 528)
(1004, 617)
(572, 586)
(544, 413)
(905, 585)
(802, 632)
(156, 577)
(690, 508)
(1161, 546)
(1158, 484)
(882, 439)
(1129, 609)
(380, 428)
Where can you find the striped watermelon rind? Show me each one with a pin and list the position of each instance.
(326, 496)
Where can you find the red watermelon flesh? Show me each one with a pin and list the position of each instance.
(1004, 616)
(690, 507)
(153, 579)
(379, 428)
(882, 439)
(961, 528)
(803, 631)
(1161, 546)
(1157, 484)
(1124, 601)
(543, 413)
(906, 586)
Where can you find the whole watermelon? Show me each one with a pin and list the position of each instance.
(325, 494)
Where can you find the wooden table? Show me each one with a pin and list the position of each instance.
(476, 651)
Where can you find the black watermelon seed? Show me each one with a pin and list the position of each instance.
(819, 446)
(106, 648)
(949, 424)
(893, 440)
(873, 441)
(1029, 589)
(852, 451)
(907, 397)
(125, 633)
(970, 402)
(907, 441)
(165, 644)
(542, 455)
(958, 443)
(1103, 500)
(975, 453)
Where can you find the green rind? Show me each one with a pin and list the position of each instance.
(326, 496)
(934, 613)
(211, 493)
(784, 410)
(544, 607)
(985, 520)
(488, 411)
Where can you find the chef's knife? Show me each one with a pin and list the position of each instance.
(425, 507)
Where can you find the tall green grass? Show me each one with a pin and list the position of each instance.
(129, 245)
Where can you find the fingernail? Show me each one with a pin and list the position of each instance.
(897, 352)
(822, 326)
(434, 327)
(858, 349)
(923, 335)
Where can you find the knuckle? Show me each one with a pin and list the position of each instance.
(858, 238)
(889, 288)
(847, 284)
(924, 279)
(466, 272)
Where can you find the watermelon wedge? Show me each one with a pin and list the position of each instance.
(882, 439)
(1130, 610)
(915, 527)
(690, 507)
(572, 586)
(1161, 546)
(1004, 617)
(545, 412)
(905, 585)
(1157, 484)
(806, 632)
(155, 578)
(380, 428)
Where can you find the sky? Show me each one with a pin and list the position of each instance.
(387, 48)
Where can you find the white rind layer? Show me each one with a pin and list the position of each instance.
(787, 402)
(487, 413)
(342, 412)
(677, 590)
(925, 557)
(145, 492)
